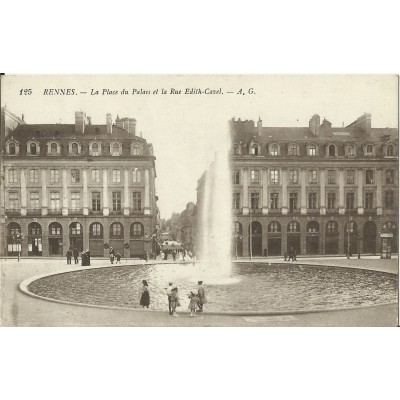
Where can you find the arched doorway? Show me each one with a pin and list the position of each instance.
(136, 244)
(34, 239)
(76, 236)
(293, 237)
(117, 237)
(312, 237)
(13, 239)
(274, 239)
(55, 239)
(255, 239)
(390, 227)
(96, 242)
(369, 237)
(350, 238)
(332, 238)
(237, 240)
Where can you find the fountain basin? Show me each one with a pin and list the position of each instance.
(253, 287)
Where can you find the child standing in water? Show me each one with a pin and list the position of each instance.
(193, 302)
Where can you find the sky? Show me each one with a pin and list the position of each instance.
(185, 129)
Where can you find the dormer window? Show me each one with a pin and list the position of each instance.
(53, 148)
(33, 148)
(350, 151)
(254, 150)
(293, 149)
(369, 150)
(332, 150)
(74, 148)
(236, 150)
(95, 149)
(312, 150)
(390, 151)
(115, 149)
(274, 150)
(136, 149)
(12, 147)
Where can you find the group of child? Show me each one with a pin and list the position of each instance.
(197, 298)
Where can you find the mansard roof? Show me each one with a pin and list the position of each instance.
(67, 131)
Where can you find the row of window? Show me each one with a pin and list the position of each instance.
(312, 227)
(74, 148)
(75, 229)
(312, 201)
(75, 176)
(312, 177)
(76, 203)
(312, 150)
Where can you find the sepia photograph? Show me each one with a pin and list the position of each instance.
(199, 200)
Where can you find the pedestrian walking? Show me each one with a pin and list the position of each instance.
(174, 255)
(111, 253)
(193, 302)
(168, 293)
(174, 300)
(285, 255)
(294, 255)
(201, 294)
(69, 256)
(184, 255)
(145, 295)
(118, 257)
(76, 255)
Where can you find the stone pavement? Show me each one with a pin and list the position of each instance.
(19, 309)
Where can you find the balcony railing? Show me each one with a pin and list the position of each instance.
(75, 211)
(95, 212)
(116, 212)
(332, 210)
(34, 211)
(55, 211)
(13, 211)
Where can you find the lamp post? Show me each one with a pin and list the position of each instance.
(251, 235)
(237, 236)
(359, 245)
(18, 239)
(348, 236)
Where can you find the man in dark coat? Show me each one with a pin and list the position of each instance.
(69, 256)
(76, 255)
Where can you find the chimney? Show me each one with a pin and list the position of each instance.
(23, 116)
(80, 119)
(130, 126)
(109, 123)
(259, 126)
(326, 125)
(314, 124)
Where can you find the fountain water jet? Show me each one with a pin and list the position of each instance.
(216, 219)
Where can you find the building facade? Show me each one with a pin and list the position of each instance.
(317, 189)
(78, 186)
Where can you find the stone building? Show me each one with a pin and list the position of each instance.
(316, 189)
(78, 185)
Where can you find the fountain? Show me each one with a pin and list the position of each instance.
(216, 220)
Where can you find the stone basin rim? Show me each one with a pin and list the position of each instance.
(23, 287)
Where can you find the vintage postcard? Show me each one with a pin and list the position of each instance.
(162, 200)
